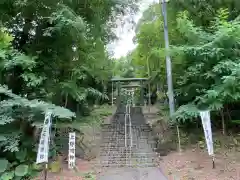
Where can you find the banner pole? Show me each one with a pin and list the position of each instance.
(45, 171)
(213, 162)
(206, 123)
(44, 143)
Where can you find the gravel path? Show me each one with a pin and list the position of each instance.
(129, 163)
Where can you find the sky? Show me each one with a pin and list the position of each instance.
(126, 33)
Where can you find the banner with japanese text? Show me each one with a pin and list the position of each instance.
(71, 151)
(43, 147)
(206, 122)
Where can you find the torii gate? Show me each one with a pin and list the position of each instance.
(120, 84)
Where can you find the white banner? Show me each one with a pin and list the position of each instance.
(71, 150)
(206, 122)
(43, 147)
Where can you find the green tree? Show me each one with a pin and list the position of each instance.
(210, 81)
(204, 51)
(55, 52)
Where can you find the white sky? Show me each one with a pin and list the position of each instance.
(126, 33)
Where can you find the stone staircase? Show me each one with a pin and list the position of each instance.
(113, 152)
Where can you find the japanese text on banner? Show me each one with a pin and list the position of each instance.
(206, 122)
(71, 152)
(43, 147)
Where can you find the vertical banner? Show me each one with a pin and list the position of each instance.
(43, 146)
(206, 122)
(71, 150)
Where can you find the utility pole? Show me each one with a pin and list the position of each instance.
(149, 96)
(169, 66)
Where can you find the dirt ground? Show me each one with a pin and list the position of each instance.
(191, 164)
(83, 167)
(197, 165)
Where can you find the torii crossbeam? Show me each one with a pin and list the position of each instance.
(124, 83)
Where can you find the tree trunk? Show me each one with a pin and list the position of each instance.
(66, 100)
(228, 113)
(223, 123)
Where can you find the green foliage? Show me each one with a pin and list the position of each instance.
(18, 114)
(186, 112)
(52, 57)
(212, 65)
(204, 12)
(122, 67)
(204, 50)
(149, 56)
(21, 170)
(7, 176)
(9, 171)
(4, 165)
(89, 176)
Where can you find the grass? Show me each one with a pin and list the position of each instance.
(95, 119)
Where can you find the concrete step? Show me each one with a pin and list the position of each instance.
(151, 173)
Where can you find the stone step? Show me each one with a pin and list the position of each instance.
(123, 159)
(119, 155)
(114, 126)
(128, 165)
